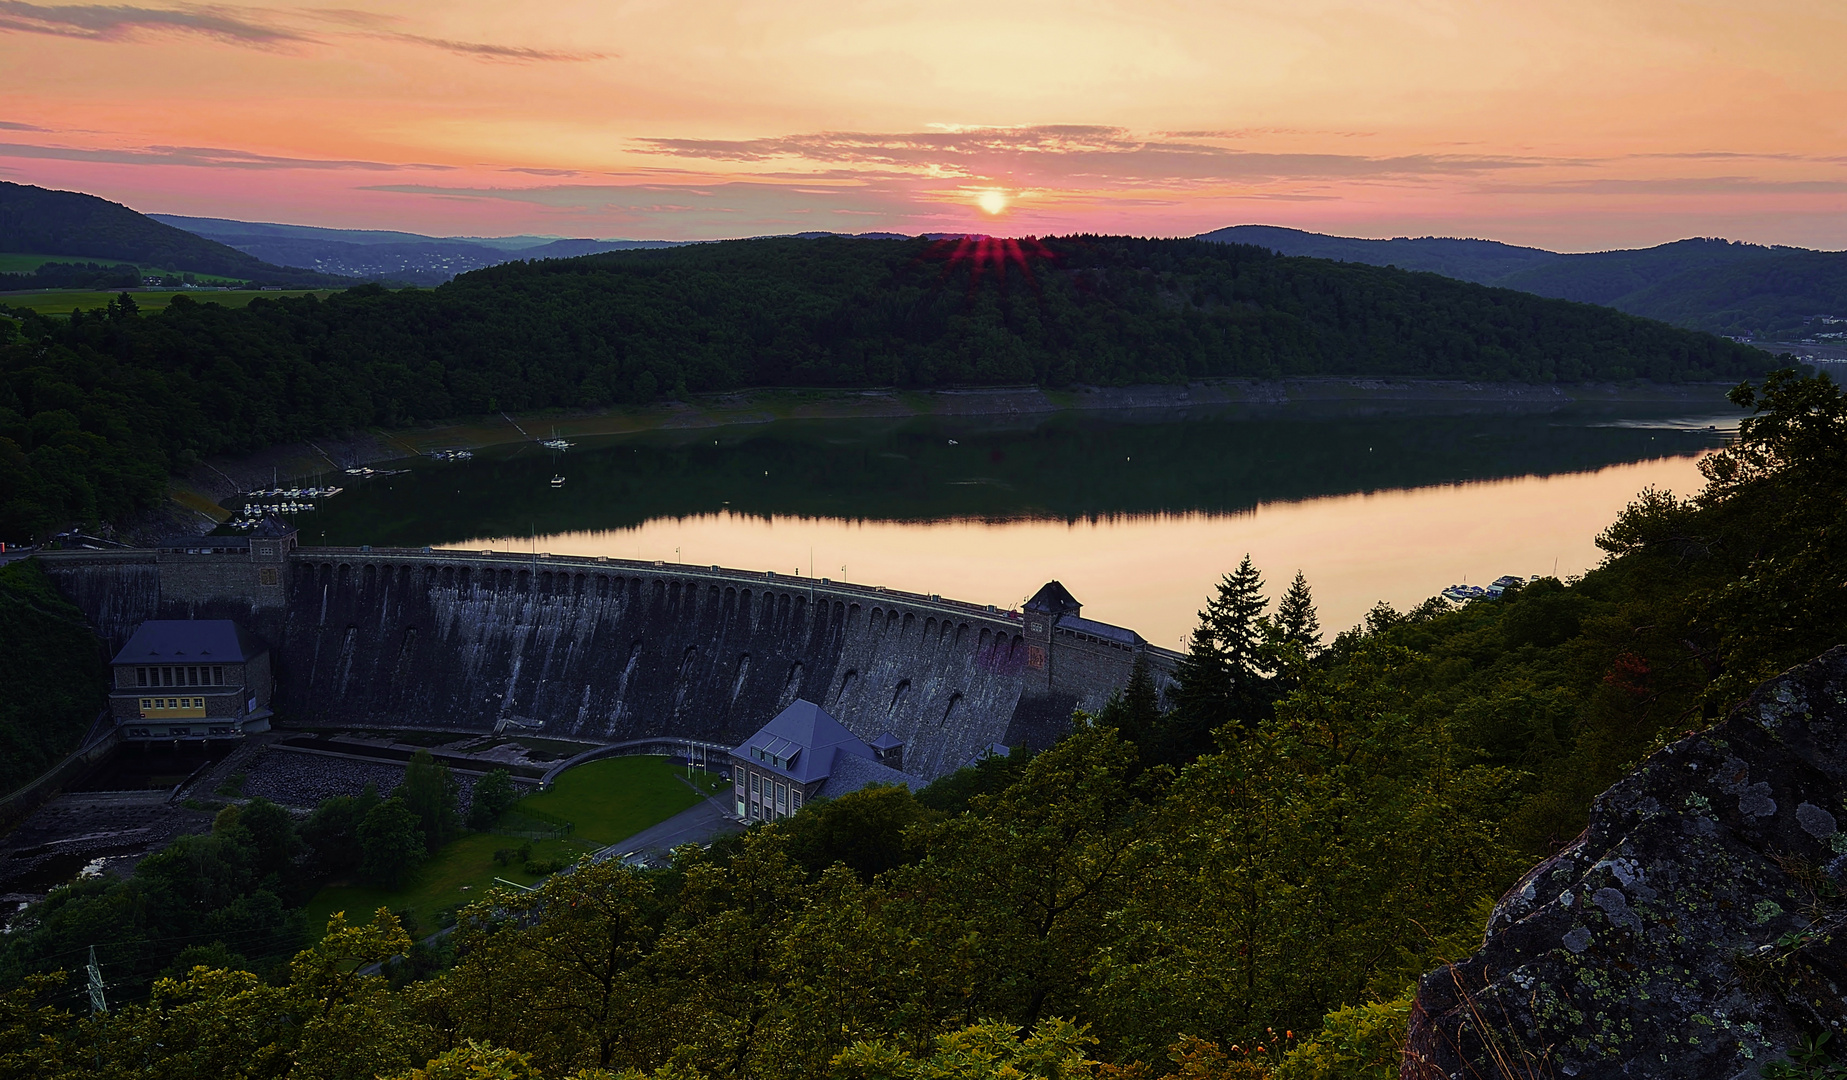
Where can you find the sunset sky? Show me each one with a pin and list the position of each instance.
(1569, 124)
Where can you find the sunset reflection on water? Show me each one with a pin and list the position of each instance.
(1153, 572)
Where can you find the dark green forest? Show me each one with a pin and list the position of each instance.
(97, 409)
(55, 680)
(1777, 298)
(1242, 884)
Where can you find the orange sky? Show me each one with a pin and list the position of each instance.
(1569, 124)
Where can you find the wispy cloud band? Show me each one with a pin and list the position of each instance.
(201, 156)
(1069, 152)
(244, 27)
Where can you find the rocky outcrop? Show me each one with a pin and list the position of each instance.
(1698, 927)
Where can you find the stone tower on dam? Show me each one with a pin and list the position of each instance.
(610, 650)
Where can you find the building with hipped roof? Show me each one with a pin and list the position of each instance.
(805, 754)
(190, 679)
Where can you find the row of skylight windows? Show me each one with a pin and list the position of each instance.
(774, 759)
(179, 676)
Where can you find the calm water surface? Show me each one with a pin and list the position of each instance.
(1138, 515)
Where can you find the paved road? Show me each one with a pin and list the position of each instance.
(700, 824)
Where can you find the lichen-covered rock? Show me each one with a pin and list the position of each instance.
(1696, 929)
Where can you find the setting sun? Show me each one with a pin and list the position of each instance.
(991, 201)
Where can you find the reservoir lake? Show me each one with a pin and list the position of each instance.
(1137, 513)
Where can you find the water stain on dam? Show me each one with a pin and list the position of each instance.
(605, 651)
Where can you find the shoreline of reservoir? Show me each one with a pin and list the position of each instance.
(196, 496)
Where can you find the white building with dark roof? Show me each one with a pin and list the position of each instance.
(806, 754)
(190, 679)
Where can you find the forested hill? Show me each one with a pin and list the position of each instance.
(96, 409)
(70, 224)
(1720, 286)
(1108, 310)
(1484, 262)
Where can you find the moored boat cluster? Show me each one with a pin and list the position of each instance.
(1462, 594)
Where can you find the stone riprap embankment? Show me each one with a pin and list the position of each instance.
(1698, 927)
(294, 778)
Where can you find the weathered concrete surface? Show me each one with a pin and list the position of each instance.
(606, 651)
(1697, 928)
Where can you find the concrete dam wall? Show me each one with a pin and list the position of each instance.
(610, 650)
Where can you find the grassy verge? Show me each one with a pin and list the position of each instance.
(604, 801)
(192, 500)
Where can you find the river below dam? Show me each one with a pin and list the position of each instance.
(1137, 513)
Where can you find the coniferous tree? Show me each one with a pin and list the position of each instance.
(1296, 621)
(1224, 677)
(1135, 713)
(1141, 700)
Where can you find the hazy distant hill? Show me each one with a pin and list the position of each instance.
(1792, 296)
(396, 256)
(1484, 262)
(1722, 286)
(35, 220)
(1609, 277)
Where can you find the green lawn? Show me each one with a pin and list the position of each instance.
(64, 301)
(605, 801)
(458, 875)
(615, 798)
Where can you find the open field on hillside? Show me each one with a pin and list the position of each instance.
(22, 262)
(64, 301)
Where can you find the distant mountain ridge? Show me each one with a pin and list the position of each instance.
(396, 256)
(71, 224)
(1721, 286)
(1484, 262)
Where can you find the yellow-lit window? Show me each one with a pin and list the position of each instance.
(146, 703)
